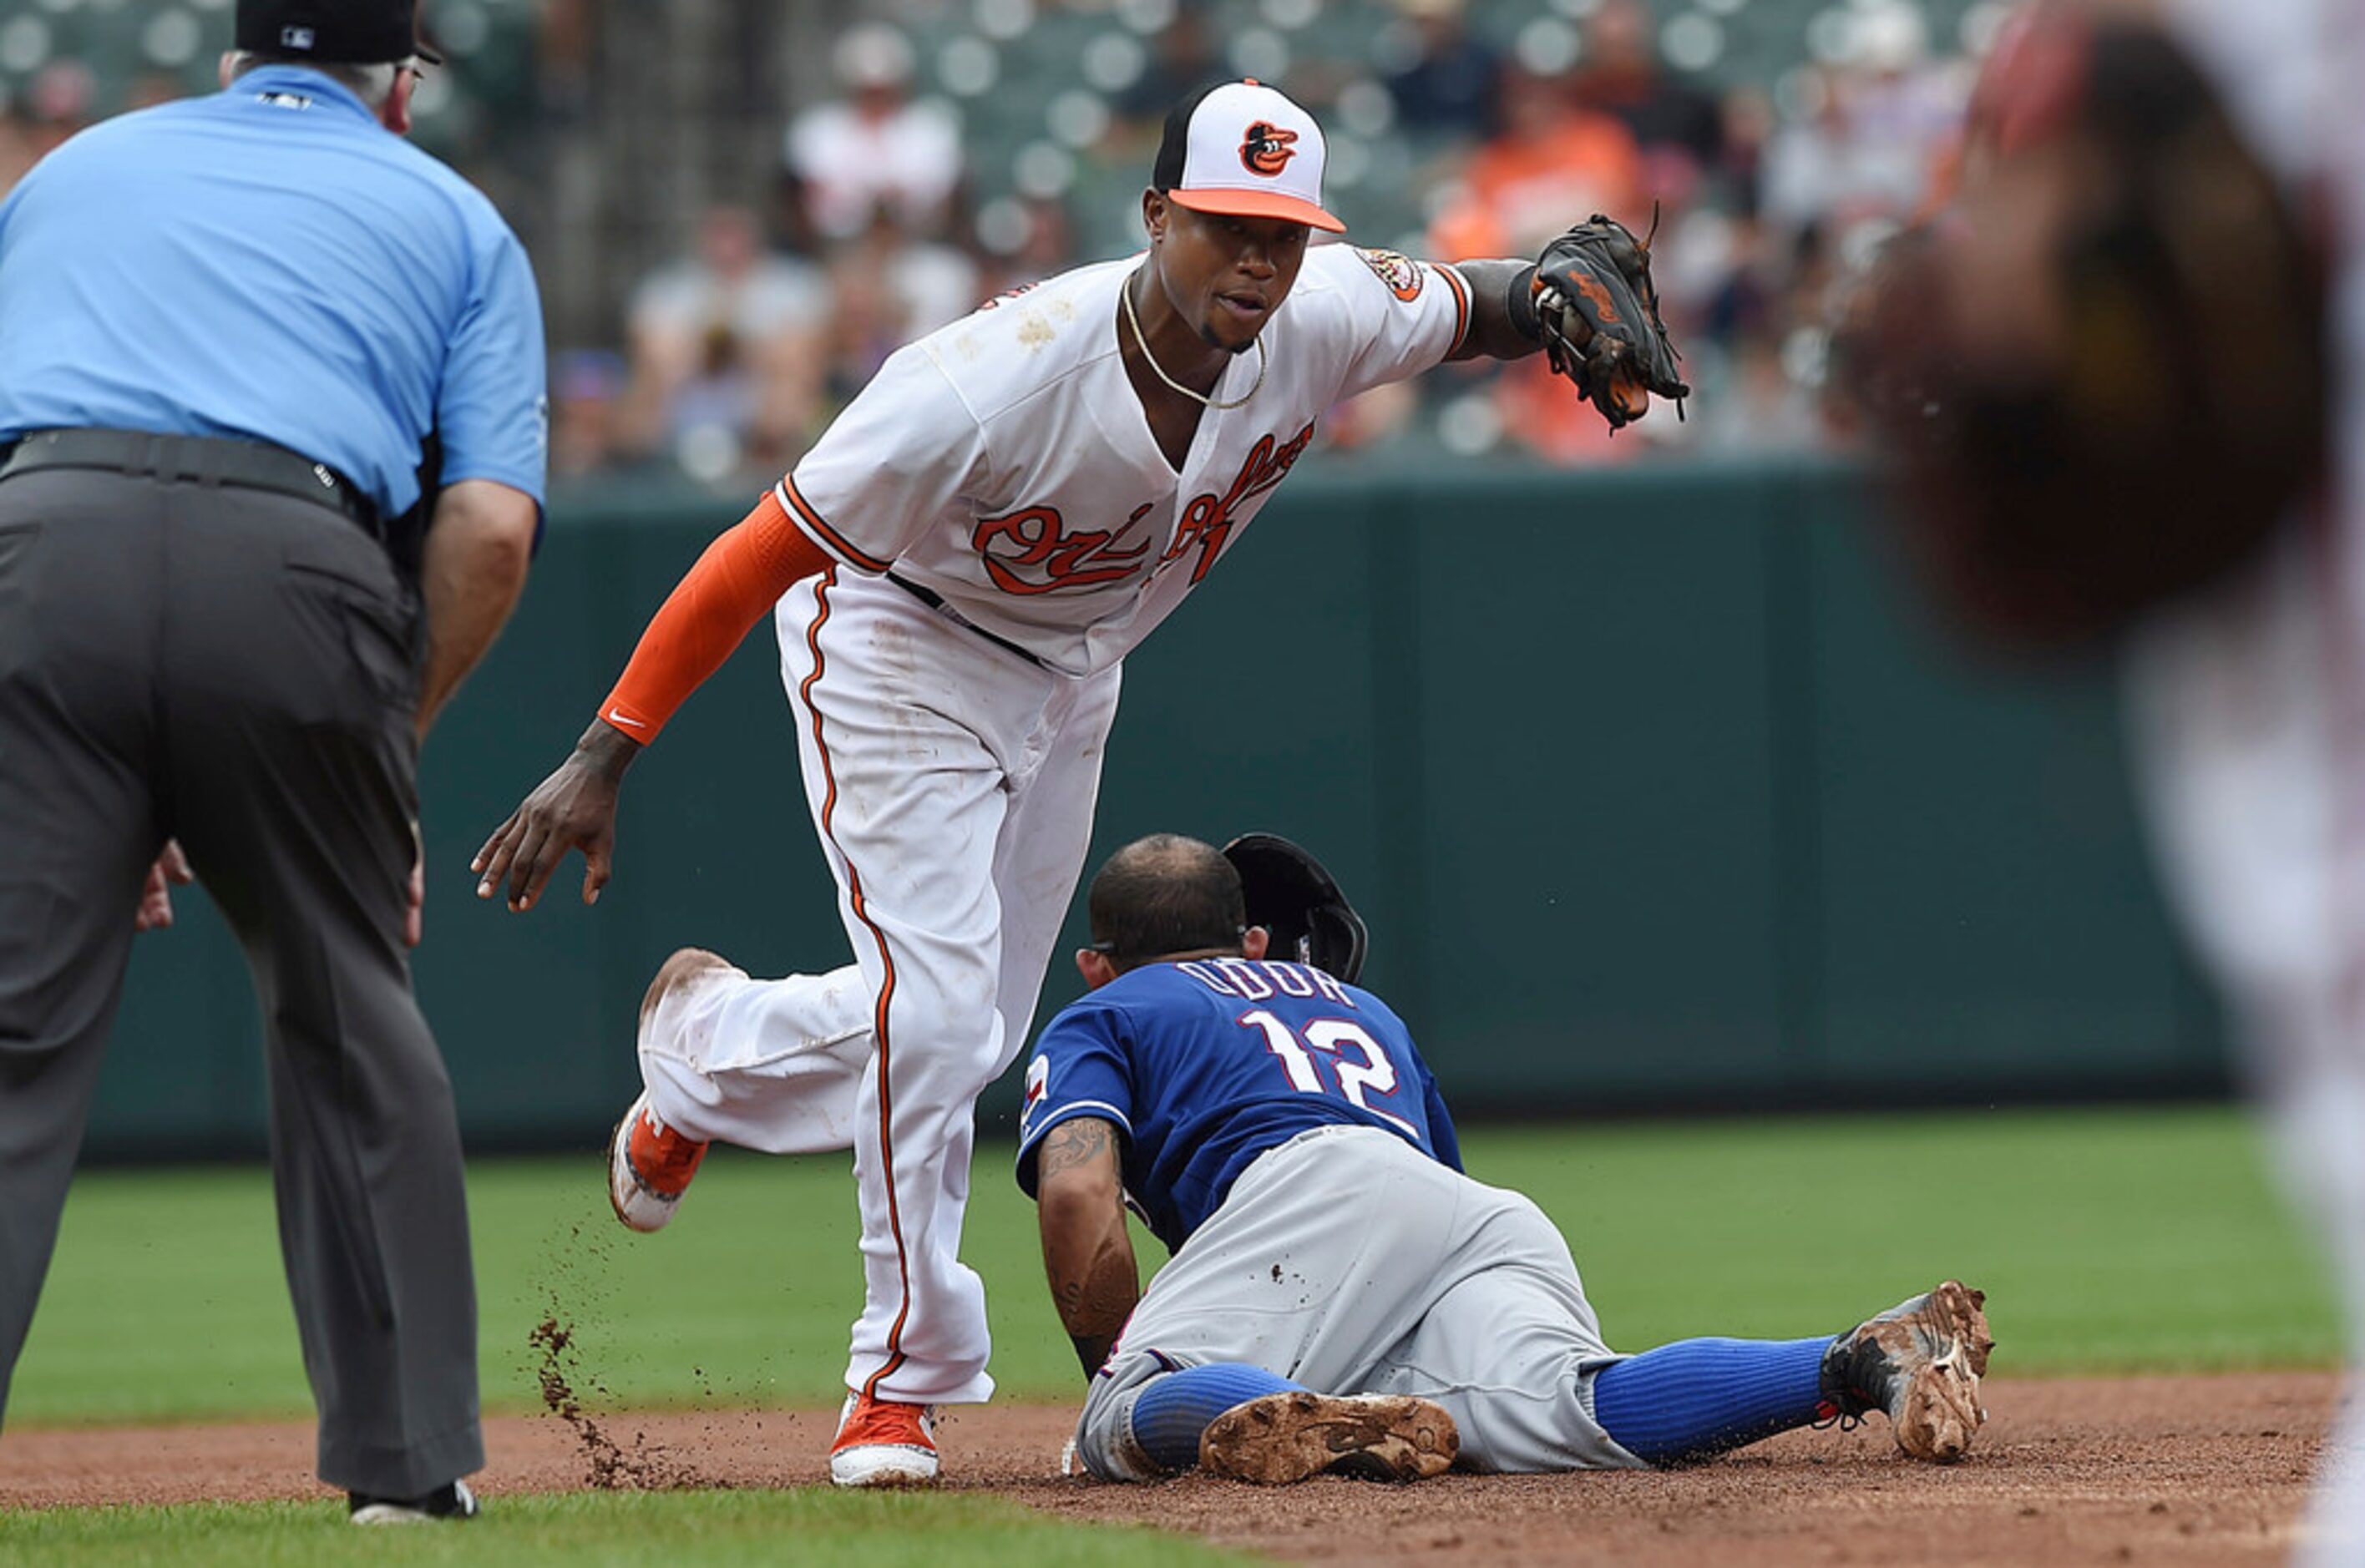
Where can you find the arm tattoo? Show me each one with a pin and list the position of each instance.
(1071, 1144)
(1086, 1251)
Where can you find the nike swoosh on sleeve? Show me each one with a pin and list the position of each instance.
(616, 716)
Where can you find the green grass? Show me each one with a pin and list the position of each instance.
(2112, 1240)
(811, 1526)
(2109, 1241)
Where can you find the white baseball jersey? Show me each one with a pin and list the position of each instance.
(2249, 705)
(1004, 461)
(1005, 464)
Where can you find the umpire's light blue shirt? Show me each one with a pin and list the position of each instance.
(269, 261)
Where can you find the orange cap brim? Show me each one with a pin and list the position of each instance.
(1258, 203)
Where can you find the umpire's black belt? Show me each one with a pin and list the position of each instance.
(199, 459)
(935, 601)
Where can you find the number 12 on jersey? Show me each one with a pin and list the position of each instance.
(1334, 1037)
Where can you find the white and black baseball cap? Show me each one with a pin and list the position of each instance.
(1242, 148)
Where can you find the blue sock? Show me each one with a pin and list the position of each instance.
(1697, 1397)
(1177, 1405)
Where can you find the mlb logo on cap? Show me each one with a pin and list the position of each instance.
(340, 32)
(1244, 150)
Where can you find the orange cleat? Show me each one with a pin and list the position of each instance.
(882, 1442)
(649, 1168)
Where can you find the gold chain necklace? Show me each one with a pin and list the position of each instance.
(1124, 296)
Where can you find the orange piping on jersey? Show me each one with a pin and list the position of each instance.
(1460, 289)
(794, 498)
(886, 987)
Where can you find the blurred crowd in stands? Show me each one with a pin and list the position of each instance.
(963, 146)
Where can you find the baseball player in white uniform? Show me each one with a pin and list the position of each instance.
(2249, 713)
(2107, 223)
(959, 567)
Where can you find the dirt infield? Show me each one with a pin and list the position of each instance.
(2154, 1470)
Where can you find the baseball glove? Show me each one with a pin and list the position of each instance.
(1293, 896)
(2102, 374)
(1598, 313)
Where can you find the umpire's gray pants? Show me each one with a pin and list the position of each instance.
(1353, 1263)
(236, 669)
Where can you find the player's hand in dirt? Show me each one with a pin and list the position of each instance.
(574, 808)
(155, 910)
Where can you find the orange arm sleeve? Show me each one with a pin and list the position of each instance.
(743, 573)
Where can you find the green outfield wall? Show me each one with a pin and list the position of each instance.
(1653, 788)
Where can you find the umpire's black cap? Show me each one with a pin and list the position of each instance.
(340, 32)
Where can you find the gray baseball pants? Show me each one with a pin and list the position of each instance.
(237, 669)
(1349, 1261)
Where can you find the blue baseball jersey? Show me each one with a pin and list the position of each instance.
(1206, 1064)
(270, 262)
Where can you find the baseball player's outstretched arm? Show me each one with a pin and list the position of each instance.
(1494, 333)
(1080, 1198)
(742, 575)
(1589, 303)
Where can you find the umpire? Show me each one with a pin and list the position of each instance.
(230, 329)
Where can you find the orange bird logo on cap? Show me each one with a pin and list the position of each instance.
(1266, 149)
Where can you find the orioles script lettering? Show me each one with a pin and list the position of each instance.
(1033, 551)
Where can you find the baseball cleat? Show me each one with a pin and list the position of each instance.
(451, 1501)
(1280, 1438)
(882, 1443)
(1920, 1361)
(649, 1168)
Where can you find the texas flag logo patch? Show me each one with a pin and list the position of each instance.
(1038, 1084)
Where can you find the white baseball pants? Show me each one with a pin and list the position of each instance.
(2248, 712)
(952, 783)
